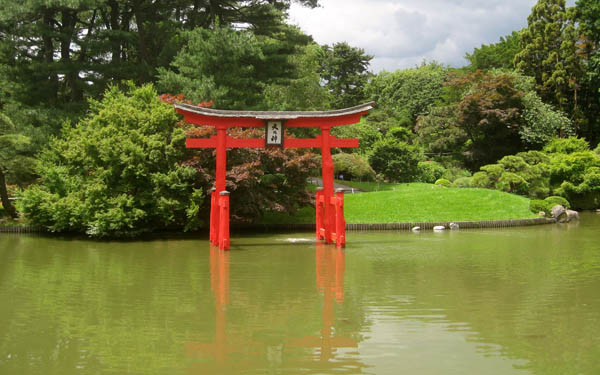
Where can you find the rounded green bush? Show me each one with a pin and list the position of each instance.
(554, 200)
(567, 145)
(537, 205)
(443, 182)
(352, 167)
(430, 171)
(463, 182)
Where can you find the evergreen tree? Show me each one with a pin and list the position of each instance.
(496, 55)
(549, 54)
(345, 70)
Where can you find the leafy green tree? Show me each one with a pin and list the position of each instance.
(395, 160)
(588, 16)
(549, 53)
(430, 171)
(118, 172)
(303, 90)
(409, 93)
(500, 55)
(490, 115)
(541, 121)
(440, 134)
(259, 180)
(365, 131)
(345, 70)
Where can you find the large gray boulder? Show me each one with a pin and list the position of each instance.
(559, 213)
(572, 215)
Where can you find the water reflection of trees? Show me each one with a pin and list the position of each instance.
(528, 294)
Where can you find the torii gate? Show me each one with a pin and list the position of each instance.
(329, 207)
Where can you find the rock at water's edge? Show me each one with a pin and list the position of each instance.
(572, 215)
(559, 213)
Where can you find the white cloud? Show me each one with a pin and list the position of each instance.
(402, 33)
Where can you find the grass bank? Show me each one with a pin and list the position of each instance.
(417, 202)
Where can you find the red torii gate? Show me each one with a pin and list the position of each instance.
(329, 207)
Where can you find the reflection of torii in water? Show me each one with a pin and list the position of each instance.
(219, 284)
(330, 269)
(330, 266)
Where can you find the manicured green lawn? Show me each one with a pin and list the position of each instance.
(417, 202)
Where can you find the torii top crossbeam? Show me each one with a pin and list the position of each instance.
(215, 117)
(274, 123)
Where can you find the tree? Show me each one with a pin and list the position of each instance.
(259, 180)
(13, 161)
(345, 70)
(62, 51)
(490, 115)
(234, 67)
(549, 54)
(440, 134)
(395, 160)
(500, 55)
(118, 172)
(588, 16)
(219, 65)
(408, 93)
(303, 90)
(541, 122)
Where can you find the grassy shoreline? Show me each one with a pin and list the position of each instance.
(418, 202)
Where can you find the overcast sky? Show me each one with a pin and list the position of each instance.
(402, 33)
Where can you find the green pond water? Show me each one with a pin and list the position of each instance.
(498, 301)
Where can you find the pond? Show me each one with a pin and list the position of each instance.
(494, 301)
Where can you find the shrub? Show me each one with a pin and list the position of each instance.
(537, 205)
(454, 172)
(353, 166)
(567, 145)
(584, 193)
(397, 161)
(443, 182)
(430, 171)
(554, 200)
(400, 134)
(482, 180)
(514, 174)
(512, 183)
(118, 172)
(463, 182)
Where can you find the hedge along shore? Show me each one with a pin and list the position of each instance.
(353, 226)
